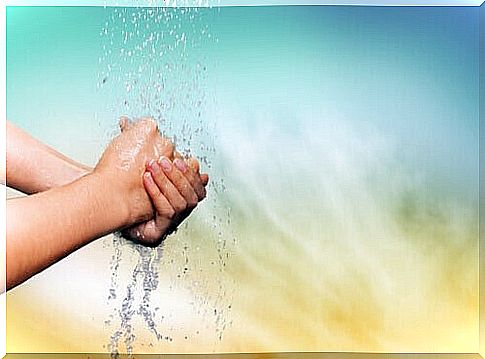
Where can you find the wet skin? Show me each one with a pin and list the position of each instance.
(139, 185)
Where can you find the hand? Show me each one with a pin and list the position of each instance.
(111, 197)
(191, 170)
(123, 163)
(174, 189)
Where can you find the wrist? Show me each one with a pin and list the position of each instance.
(69, 173)
(130, 198)
(111, 198)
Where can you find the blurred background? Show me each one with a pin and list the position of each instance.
(342, 145)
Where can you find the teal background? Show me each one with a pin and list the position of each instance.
(342, 144)
(411, 71)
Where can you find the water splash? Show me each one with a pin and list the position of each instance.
(145, 274)
(154, 63)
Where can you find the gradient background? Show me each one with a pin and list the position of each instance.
(343, 148)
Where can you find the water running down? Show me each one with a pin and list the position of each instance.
(151, 61)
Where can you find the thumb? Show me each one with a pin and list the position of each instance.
(124, 123)
(204, 178)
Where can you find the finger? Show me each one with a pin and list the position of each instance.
(180, 182)
(147, 125)
(132, 233)
(171, 193)
(204, 178)
(168, 149)
(151, 233)
(176, 154)
(192, 177)
(162, 205)
(124, 123)
(164, 147)
(193, 164)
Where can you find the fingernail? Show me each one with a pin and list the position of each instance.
(147, 176)
(154, 166)
(166, 165)
(180, 165)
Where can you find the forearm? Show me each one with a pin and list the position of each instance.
(35, 167)
(44, 228)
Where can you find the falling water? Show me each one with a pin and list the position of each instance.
(152, 63)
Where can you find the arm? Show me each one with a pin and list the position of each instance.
(92, 206)
(35, 167)
(45, 227)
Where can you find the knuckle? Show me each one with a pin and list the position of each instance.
(178, 179)
(181, 206)
(194, 164)
(192, 202)
(167, 148)
(122, 123)
(169, 213)
(151, 124)
(169, 145)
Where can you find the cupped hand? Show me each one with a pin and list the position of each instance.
(175, 188)
(122, 165)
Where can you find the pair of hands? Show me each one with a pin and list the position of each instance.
(159, 187)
